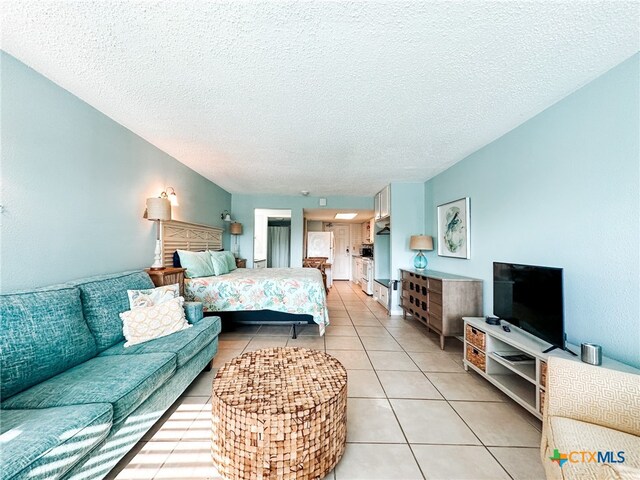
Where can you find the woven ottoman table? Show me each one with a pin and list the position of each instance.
(279, 413)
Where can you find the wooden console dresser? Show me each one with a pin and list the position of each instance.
(440, 300)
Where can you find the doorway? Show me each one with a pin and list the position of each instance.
(341, 255)
(278, 242)
(272, 238)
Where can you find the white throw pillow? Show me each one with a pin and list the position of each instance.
(152, 296)
(146, 323)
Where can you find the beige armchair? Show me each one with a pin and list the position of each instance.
(590, 409)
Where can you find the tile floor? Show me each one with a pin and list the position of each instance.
(413, 412)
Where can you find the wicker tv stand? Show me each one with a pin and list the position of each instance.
(440, 300)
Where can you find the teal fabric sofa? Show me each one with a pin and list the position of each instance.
(73, 399)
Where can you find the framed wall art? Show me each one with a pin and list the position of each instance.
(454, 229)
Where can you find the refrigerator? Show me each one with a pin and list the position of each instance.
(320, 244)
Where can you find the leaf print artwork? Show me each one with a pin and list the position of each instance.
(454, 235)
(453, 229)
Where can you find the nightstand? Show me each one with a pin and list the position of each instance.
(241, 262)
(168, 276)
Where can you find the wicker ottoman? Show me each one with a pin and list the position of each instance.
(279, 413)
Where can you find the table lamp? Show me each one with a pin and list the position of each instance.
(235, 229)
(420, 243)
(158, 209)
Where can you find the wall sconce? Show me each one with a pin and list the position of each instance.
(171, 196)
(226, 216)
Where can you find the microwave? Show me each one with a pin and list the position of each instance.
(366, 251)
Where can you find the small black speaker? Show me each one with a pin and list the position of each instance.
(493, 320)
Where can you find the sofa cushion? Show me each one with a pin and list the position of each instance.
(153, 296)
(144, 324)
(193, 311)
(617, 472)
(104, 298)
(120, 380)
(568, 435)
(185, 344)
(47, 442)
(42, 333)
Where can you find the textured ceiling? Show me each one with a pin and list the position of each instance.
(333, 98)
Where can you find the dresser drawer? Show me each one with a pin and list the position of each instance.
(435, 321)
(434, 308)
(475, 337)
(419, 279)
(435, 297)
(435, 285)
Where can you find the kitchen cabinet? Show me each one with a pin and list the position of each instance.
(356, 268)
(372, 230)
(356, 237)
(385, 204)
(368, 231)
(382, 203)
(381, 294)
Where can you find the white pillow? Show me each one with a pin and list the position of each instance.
(146, 323)
(152, 296)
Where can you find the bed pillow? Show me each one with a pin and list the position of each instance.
(176, 260)
(152, 296)
(147, 323)
(198, 264)
(219, 263)
(231, 260)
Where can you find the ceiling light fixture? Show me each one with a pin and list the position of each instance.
(345, 216)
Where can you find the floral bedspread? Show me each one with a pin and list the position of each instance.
(289, 290)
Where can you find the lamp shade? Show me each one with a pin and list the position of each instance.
(235, 228)
(158, 209)
(421, 242)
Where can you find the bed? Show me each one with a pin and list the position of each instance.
(265, 295)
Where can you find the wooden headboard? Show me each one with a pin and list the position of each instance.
(175, 235)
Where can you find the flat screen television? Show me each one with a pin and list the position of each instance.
(531, 298)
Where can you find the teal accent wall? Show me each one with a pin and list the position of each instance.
(74, 184)
(243, 207)
(407, 218)
(562, 190)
